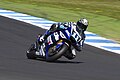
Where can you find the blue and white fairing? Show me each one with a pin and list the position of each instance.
(63, 34)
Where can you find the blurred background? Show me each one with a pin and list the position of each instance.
(103, 15)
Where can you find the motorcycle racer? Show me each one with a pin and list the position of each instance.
(81, 24)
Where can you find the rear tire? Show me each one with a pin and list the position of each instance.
(31, 52)
(31, 55)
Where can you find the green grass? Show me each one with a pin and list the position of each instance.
(103, 15)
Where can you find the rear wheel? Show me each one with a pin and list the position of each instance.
(57, 53)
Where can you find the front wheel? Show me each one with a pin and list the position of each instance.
(58, 54)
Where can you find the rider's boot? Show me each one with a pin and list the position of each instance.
(70, 54)
(39, 51)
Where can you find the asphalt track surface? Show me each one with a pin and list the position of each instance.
(15, 38)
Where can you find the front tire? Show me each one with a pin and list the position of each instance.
(61, 51)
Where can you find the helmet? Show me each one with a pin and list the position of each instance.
(82, 23)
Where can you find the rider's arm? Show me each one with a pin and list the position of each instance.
(80, 44)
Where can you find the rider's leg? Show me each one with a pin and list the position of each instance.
(38, 43)
(71, 53)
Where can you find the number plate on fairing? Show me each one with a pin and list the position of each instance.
(57, 36)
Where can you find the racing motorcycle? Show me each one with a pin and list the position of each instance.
(56, 45)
